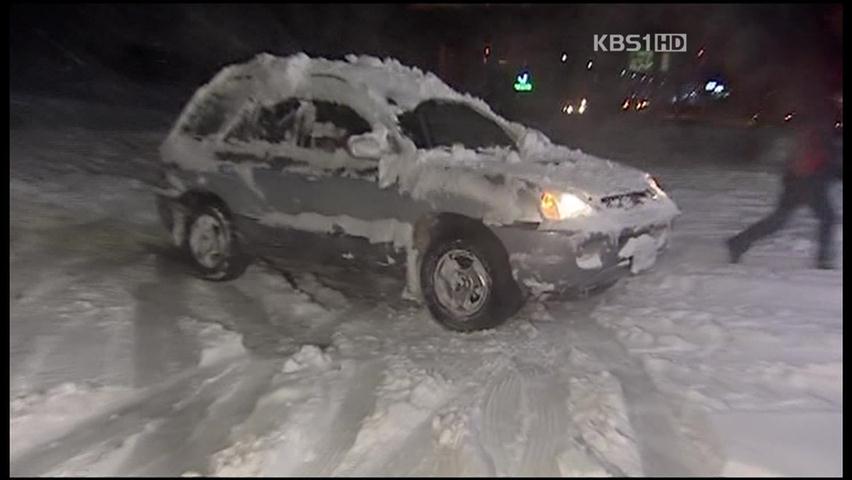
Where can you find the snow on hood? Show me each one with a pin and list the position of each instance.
(553, 166)
(538, 164)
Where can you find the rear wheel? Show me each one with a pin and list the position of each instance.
(467, 283)
(212, 243)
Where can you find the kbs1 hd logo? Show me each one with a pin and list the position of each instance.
(658, 42)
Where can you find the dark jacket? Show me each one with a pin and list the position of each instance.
(815, 157)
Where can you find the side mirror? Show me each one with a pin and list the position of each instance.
(364, 146)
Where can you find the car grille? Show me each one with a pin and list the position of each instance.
(626, 200)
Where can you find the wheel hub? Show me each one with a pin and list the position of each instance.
(462, 283)
(208, 241)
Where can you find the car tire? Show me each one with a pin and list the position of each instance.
(501, 299)
(212, 243)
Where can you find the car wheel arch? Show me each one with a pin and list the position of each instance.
(437, 232)
(437, 226)
(195, 198)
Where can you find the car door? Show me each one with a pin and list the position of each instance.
(339, 192)
(243, 149)
(321, 203)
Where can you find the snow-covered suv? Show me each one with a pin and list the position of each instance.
(388, 166)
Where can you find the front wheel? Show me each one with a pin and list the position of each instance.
(212, 244)
(467, 284)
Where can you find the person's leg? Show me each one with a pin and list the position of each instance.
(787, 203)
(821, 205)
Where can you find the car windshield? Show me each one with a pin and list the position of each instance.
(439, 123)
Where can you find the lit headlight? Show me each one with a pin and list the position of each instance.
(652, 182)
(560, 206)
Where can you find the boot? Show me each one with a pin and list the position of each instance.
(824, 263)
(735, 250)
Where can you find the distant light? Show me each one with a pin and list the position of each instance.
(700, 53)
(589, 65)
(626, 104)
(564, 57)
(788, 117)
(487, 51)
(523, 82)
(570, 109)
(710, 86)
(582, 108)
(623, 72)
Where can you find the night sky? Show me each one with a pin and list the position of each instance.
(165, 49)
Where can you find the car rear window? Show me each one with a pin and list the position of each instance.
(208, 117)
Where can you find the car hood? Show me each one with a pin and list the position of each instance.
(543, 164)
(550, 165)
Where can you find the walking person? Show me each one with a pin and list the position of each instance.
(812, 167)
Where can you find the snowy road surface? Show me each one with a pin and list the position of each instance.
(123, 363)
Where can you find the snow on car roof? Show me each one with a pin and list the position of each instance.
(392, 86)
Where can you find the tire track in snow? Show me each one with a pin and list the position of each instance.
(526, 428)
(548, 428)
(170, 441)
(663, 450)
(357, 404)
(501, 421)
(121, 421)
(422, 454)
(232, 403)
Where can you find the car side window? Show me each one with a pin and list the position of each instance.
(448, 123)
(411, 126)
(275, 124)
(331, 126)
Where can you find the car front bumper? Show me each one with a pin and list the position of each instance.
(557, 263)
